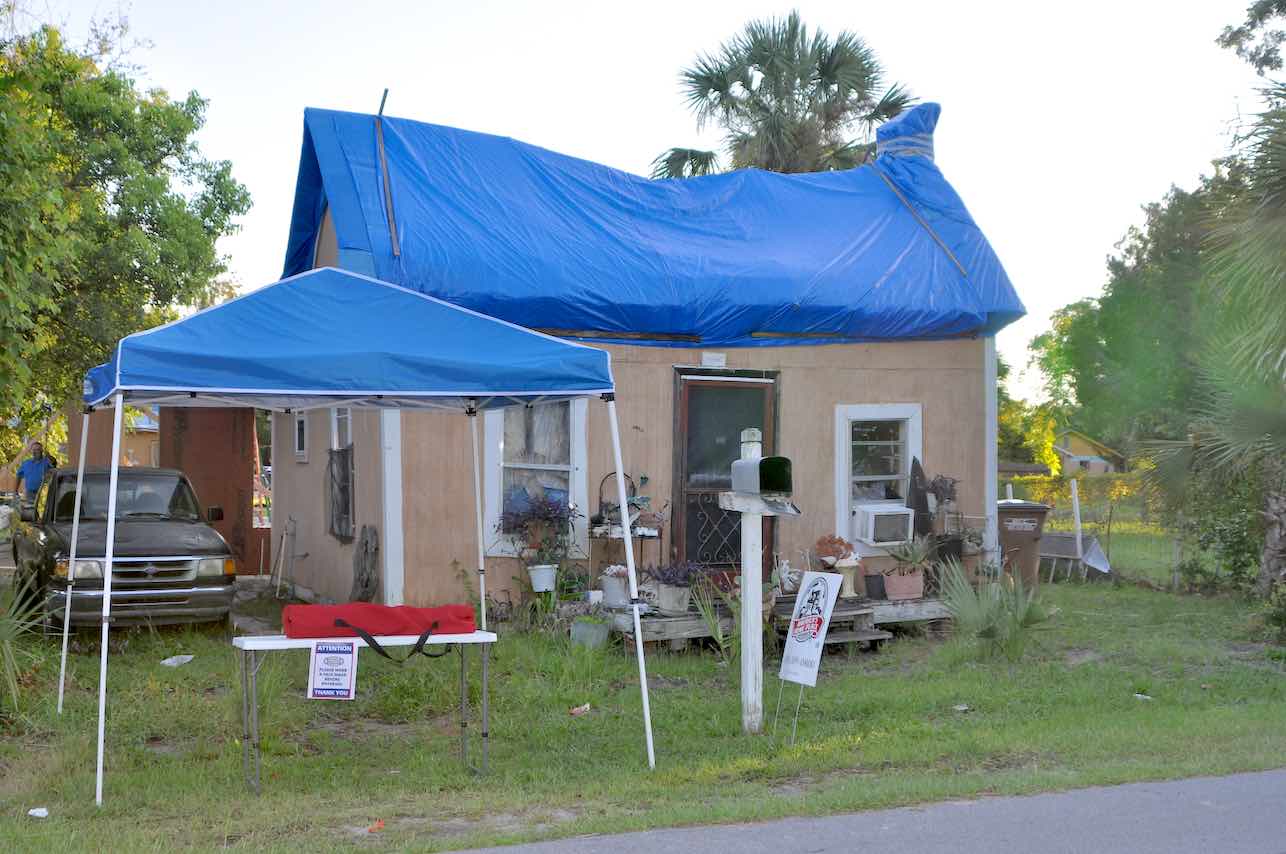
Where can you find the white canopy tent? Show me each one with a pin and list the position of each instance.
(333, 338)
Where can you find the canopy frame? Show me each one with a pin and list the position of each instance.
(581, 384)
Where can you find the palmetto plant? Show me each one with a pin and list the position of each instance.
(22, 615)
(789, 100)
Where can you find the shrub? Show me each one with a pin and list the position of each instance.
(996, 616)
(1275, 611)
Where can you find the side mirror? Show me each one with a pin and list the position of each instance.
(27, 513)
(214, 514)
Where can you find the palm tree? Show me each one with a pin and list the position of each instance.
(1241, 428)
(788, 101)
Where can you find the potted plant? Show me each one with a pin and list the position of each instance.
(615, 584)
(590, 630)
(674, 586)
(906, 579)
(838, 553)
(544, 526)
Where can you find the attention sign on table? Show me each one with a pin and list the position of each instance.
(332, 670)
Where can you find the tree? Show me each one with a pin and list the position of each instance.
(788, 100)
(1025, 433)
(109, 214)
(1123, 366)
(1255, 40)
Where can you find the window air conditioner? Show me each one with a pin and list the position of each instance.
(882, 524)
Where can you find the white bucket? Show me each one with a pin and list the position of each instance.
(615, 591)
(542, 576)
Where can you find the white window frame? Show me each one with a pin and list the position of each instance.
(335, 445)
(845, 414)
(335, 419)
(500, 545)
(301, 448)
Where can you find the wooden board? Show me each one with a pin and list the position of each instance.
(912, 611)
(672, 628)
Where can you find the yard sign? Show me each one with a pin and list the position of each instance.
(332, 670)
(807, 632)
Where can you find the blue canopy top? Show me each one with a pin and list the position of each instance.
(750, 258)
(329, 337)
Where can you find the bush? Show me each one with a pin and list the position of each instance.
(996, 616)
(1275, 611)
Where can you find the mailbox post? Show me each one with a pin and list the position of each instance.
(761, 486)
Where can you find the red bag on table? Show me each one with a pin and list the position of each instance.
(356, 618)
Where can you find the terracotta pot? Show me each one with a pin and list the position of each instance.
(898, 587)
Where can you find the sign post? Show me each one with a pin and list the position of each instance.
(761, 486)
(806, 635)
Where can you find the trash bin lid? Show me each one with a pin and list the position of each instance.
(1018, 505)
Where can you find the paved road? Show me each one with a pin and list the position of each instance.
(1241, 814)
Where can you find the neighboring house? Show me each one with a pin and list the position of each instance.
(740, 300)
(1080, 453)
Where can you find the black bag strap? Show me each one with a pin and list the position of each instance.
(418, 649)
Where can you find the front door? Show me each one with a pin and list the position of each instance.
(712, 413)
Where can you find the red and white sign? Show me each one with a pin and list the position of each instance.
(806, 636)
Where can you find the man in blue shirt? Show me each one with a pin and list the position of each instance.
(32, 473)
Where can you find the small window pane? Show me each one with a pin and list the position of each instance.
(877, 460)
(521, 486)
(538, 435)
(878, 490)
(877, 431)
(301, 435)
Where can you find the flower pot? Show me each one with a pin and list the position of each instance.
(616, 591)
(542, 576)
(592, 635)
(673, 601)
(899, 587)
(874, 586)
(849, 569)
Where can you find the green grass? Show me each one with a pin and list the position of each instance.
(879, 730)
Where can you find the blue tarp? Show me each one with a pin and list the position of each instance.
(750, 258)
(327, 336)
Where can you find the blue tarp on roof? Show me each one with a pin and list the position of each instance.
(886, 251)
(328, 335)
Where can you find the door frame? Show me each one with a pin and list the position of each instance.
(685, 377)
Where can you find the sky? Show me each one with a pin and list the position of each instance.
(1059, 121)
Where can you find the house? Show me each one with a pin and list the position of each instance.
(849, 315)
(1079, 452)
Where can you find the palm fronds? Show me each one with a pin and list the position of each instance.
(996, 616)
(20, 617)
(789, 100)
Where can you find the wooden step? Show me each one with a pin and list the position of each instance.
(857, 636)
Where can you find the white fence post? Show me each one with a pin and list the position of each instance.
(752, 628)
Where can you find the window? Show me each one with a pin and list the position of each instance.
(339, 479)
(878, 461)
(341, 427)
(301, 437)
(534, 452)
(874, 446)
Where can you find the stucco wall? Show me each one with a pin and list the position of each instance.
(299, 490)
(944, 377)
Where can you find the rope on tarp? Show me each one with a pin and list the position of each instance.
(923, 222)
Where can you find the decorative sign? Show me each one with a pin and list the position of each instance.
(806, 635)
(1020, 524)
(332, 670)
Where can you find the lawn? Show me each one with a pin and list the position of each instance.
(879, 730)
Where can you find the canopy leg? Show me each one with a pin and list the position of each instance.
(477, 512)
(71, 559)
(629, 565)
(118, 407)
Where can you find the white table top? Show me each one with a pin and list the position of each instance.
(267, 642)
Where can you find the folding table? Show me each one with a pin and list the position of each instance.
(253, 647)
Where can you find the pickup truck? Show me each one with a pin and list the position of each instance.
(169, 565)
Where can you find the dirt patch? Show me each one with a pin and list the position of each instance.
(161, 746)
(363, 728)
(804, 784)
(1079, 656)
(506, 823)
(1247, 649)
